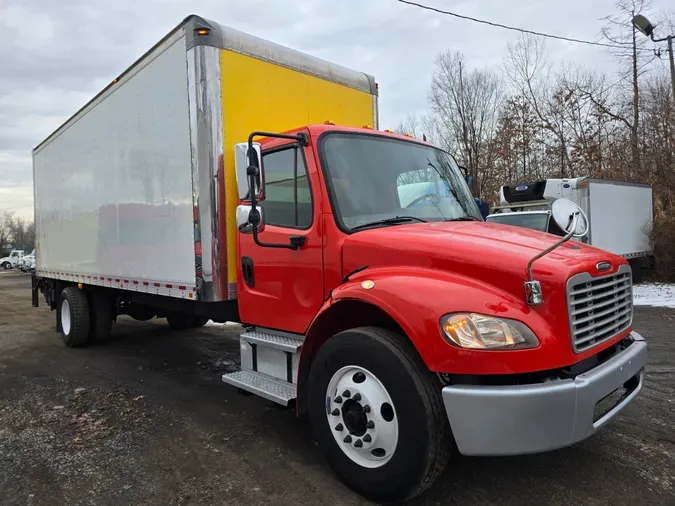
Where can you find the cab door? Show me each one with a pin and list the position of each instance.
(281, 288)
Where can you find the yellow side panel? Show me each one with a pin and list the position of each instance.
(258, 95)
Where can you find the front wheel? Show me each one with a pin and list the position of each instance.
(378, 415)
(6, 265)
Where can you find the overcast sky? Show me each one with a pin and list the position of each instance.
(56, 54)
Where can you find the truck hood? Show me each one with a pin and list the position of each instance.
(492, 253)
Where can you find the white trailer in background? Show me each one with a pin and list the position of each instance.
(620, 213)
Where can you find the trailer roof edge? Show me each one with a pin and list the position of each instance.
(225, 37)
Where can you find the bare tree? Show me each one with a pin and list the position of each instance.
(532, 76)
(6, 224)
(465, 106)
(620, 31)
(23, 233)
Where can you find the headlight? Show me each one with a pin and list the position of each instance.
(481, 332)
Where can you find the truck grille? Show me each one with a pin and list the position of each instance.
(599, 308)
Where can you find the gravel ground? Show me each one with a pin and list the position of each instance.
(146, 420)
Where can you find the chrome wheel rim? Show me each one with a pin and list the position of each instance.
(65, 317)
(361, 416)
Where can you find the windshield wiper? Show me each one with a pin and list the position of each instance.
(464, 218)
(389, 221)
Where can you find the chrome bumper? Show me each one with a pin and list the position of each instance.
(513, 420)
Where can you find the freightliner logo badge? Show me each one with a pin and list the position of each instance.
(603, 266)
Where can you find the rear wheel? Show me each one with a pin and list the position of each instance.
(74, 317)
(378, 415)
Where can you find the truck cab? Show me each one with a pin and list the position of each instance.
(12, 260)
(374, 289)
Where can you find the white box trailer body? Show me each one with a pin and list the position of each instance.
(620, 216)
(620, 213)
(137, 190)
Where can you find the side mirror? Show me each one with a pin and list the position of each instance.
(242, 160)
(569, 217)
(465, 171)
(247, 218)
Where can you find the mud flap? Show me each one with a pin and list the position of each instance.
(35, 288)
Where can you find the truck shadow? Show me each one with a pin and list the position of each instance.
(185, 366)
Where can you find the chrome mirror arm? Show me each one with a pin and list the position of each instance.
(533, 292)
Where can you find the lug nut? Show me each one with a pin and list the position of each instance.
(358, 443)
(367, 438)
(347, 439)
(339, 427)
(366, 409)
(370, 424)
(338, 400)
(346, 393)
(335, 412)
(357, 397)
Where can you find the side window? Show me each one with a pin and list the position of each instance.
(288, 199)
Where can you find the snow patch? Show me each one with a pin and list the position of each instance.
(211, 323)
(654, 294)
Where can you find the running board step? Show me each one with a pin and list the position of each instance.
(284, 342)
(262, 385)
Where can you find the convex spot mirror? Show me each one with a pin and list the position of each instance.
(242, 161)
(567, 214)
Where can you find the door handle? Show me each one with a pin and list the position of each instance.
(247, 271)
(297, 241)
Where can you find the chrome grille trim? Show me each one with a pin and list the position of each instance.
(599, 308)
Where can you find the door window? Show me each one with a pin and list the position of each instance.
(288, 197)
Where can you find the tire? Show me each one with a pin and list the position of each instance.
(7, 266)
(199, 321)
(179, 321)
(73, 315)
(100, 317)
(424, 440)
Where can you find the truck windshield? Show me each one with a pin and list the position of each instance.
(535, 221)
(380, 181)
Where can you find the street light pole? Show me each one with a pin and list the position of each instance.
(642, 24)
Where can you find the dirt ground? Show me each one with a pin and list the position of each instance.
(146, 420)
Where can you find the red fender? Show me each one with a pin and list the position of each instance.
(416, 299)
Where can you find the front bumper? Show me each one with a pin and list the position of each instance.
(513, 420)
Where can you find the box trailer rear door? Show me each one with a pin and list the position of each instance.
(620, 216)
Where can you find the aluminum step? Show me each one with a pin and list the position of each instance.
(262, 385)
(284, 342)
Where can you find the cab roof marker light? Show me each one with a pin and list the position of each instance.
(389, 130)
(329, 122)
(369, 127)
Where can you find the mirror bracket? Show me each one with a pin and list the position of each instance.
(533, 292)
(252, 171)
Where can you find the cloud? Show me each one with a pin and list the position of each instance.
(56, 55)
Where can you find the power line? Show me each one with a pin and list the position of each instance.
(515, 29)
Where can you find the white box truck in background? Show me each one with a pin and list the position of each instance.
(620, 213)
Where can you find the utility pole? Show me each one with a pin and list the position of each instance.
(672, 63)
